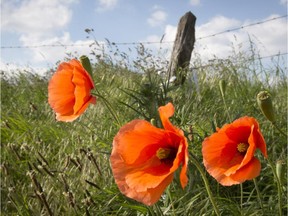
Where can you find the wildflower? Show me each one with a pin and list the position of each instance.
(144, 158)
(228, 154)
(69, 91)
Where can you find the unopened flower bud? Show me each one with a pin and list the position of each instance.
(222, 85)
(265, 103)
(279, 170)
(86, 64)
(153, 122)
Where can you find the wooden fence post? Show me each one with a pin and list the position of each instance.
(182, 48)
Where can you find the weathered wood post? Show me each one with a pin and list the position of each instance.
(182, 48)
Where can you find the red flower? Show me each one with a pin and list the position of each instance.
(228, 154)
(144, 158)
(69, 91)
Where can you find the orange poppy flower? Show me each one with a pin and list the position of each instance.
(228, 154)
(69, 91)
(144, 158)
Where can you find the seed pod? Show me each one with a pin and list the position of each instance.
(265, 103)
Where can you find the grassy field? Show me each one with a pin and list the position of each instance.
(56, 168)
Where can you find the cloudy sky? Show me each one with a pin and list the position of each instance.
(43, 29)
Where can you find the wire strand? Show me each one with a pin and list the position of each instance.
(144, 42)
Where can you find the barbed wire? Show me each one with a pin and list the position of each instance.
(262, 57)
(270, 56)
(245, 26)
(144, 42)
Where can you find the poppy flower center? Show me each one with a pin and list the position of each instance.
(166, 153)
(242, 147)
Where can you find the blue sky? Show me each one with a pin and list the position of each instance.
(42, 22)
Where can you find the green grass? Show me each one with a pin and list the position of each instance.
(50, 167)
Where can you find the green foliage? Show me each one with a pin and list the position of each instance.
(50, 167)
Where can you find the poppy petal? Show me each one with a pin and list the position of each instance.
(61, 92)
(239, 130)
(79, 67)
(260, 141)
(140, 180)
(69, 91)
(148, 197)
(130, 179)
(69, 117)
(222, 158)
(252, 147)
(83, 87)
(138, 141)
(183, 173)
(165, 113)
(218, 150)
(140, 169)
(248, 172)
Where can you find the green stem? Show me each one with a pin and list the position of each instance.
(276, 126)
(241, 197)
(109, 106)
(151, 210)
(278, 187)
(226, 108)
(198, 166)
(170, 197)
(158, 210)
(258, 195)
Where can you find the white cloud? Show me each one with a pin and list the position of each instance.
(40, 22)
(167, 38)
(163, 50)
(105, 5)
(284, 2)
(170, 33)
(56, 48)
(38, 17)
(157, 18)
(218, 45)
(269, 38)
(48, 52)
(216, 24)
(195, 2)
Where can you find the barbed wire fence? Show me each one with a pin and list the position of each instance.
(142, 43)
(146, 42)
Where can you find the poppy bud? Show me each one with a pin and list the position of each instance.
(279, 170)
(86, 64)
(153, 121)
(222, 85)
(265, 103)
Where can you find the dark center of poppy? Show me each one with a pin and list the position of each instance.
(242, 147)
(165, 154)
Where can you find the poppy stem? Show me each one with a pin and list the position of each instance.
(198, 166)
(170, 197)
(276, 126)
(109, 106)
(279, 186)
(241, 197)
(258, 195)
